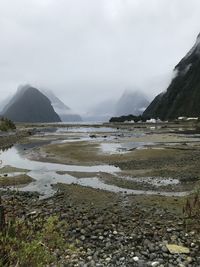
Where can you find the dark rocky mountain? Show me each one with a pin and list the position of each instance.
(131, 102)
(30, 105)
(182, 97)
(11, 99)
(64, 112)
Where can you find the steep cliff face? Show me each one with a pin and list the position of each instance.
(182, 97)
(30, 105)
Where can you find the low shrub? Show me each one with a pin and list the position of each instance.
(24, 243)
(6, 124)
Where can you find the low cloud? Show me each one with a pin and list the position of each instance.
(88, 51)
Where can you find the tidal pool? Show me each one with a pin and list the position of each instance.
(46, 174)
(115, 148)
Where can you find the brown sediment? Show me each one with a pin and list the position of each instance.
(79, 174)
(15, 180)
(10, 169)
(120, 224)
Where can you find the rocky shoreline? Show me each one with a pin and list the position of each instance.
(109, 229)
(102, 228)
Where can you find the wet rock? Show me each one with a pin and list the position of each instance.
(164, 249)
(113, 236)
(136, 259)
(155, 264)
(93, 136)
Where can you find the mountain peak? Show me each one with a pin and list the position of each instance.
(194, 52)
(182, 97)
(24, 87)
(30, 105)
(131, 102)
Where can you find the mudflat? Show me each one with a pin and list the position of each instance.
(156, 170)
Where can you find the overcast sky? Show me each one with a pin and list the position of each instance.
(89, 50)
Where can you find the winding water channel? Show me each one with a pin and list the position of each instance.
(46, 174)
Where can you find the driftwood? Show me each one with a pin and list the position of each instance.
(2, 216)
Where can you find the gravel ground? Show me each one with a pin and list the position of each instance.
(110, 229)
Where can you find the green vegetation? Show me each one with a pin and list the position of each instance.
(32, 243)
(6, 124)
(129, 118)
(191, 208)
(191, 211)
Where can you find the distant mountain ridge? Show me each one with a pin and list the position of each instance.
(182, 97)
(65, 113)
(131, 102)
(101, 112)
(30, 105)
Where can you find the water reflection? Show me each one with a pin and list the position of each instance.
(6, 147)
(45, 175)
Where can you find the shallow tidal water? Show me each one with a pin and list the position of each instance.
(45, 174)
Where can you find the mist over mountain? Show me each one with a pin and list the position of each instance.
(11, 99)
(182, 97)
(30, 105)
(3, 103)
(131, 102)
(102, 111)
(64, 112)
